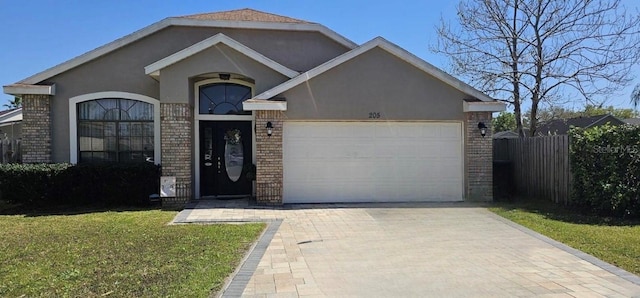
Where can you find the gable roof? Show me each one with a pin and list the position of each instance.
(393, 49)
(154, 68)
(632, 121)
(562, 126)
(506, 135)
(7, 111)
(224, 20)
(245, 14)
(10, 116)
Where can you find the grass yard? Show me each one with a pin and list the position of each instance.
(614, 241)
(117, 254)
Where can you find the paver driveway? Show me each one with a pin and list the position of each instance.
(402, 250)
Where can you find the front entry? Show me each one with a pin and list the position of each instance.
(225, 158)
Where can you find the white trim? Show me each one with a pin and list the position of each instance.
(225, 117)
(73, 119)
(13, 116)
(146, 31)
(154, 68)
(392, 49)
(19, 89)
(206, 117)
(494, 106)
(10, 123)
(266, 26)
(264, 105)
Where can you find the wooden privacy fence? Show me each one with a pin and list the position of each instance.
(539, 166)
(10, 151)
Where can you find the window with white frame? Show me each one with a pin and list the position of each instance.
(115, 130)
(223, 99)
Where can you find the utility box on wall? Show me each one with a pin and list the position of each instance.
(167, 187)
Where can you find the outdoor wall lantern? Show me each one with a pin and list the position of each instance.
(269, 128)
(482, 128)
(225, 76)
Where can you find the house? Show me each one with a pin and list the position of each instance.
(323, 119)
(562, 126)
(506, 135)
(632, 121)
(11, 124)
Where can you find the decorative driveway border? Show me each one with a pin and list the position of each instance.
(406, 249)
(234, 286)
(578, 253)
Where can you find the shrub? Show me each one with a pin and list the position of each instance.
(84, 184)
(28, 183)
(605, 162)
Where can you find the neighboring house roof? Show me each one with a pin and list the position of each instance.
(393, 49)
(7, 111)
(632, 121)
(506, 135)
(241, 19)
(154, 68)
(245, 14)
(562, 126)
(10, 116)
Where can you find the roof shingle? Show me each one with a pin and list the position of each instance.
(562, 126)
(245, 14)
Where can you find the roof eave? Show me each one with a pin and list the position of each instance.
(494, 106)
(599, 120)
(264, 105)
(392, 49)
(21, 89)
(4, 117)
(96, 53)
(155, 68)
(173, 21)
(266, 26)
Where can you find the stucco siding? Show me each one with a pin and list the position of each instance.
(374, 82)
(174, 80)
(123, 69)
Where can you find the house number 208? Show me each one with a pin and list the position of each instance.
(374, 115)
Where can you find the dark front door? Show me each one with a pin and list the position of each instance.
(225, 150)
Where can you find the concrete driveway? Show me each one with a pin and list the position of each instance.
(405, 250)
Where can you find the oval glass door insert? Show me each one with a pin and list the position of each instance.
(233, 154)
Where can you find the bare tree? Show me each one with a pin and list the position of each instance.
(635, 96)
(542, 51)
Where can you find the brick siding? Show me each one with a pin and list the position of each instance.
(176, 123)
(479, 157)
(269, 158)
(36, 128)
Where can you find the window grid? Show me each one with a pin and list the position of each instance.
(115, 130)
(223, 99)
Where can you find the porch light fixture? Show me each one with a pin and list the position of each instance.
(225, 76)
(269, 128)
(482, 128)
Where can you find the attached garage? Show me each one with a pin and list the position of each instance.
(376, 124)
(372, 161)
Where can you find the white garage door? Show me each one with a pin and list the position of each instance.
(372, 162)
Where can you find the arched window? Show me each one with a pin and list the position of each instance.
(223, 99)
(115, 130)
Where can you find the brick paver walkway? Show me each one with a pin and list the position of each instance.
(407, 250)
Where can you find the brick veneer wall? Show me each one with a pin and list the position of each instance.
(36, 128)
(176, 122)
(269, 158)
(479, 158)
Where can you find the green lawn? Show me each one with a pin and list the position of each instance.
(614, 241)
(117, 254)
